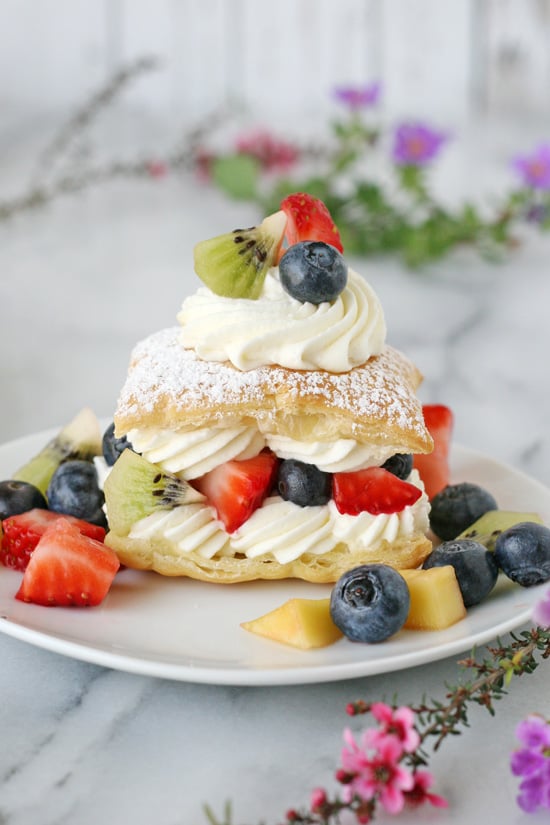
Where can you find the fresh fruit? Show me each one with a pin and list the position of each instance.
(81, 438)
(436, 600)
(237, 488)
(374, 490)
(488, 528)
(523, 553)
(303, 484)
(309, 220)
(302, 623)
(475, 567)
(68, 569)
(399, 465)
(23, 532)
(135, 488)
(370, 603)
(434, 467)
(18, 497)
(74, 490)
(457, 506)
(235, 264)
(112, 446)
(313, 272)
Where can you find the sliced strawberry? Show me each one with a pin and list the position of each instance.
(237, 488)
(373, 490)
(23, 532)
(68, 569)
(434, 467)
(308, 219)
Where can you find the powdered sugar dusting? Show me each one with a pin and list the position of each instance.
(169, 386)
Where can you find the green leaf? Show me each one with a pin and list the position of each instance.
(237, 176)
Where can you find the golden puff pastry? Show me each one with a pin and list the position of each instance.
(169, 388)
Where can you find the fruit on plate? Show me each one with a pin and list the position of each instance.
(436, 600)
(302, 623)
(488, 528)
(373, 490)
(313, 272)
(18, 497)
(68, 569)
(434, 467)
(238, 487)
(23, 532)
(74, 490)
(135, 488)
(80, 438)
(523, 553)
(309, 220)
(457, 506)
(475, 567)
(370, 603)
(235, 264)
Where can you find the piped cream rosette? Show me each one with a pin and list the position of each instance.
(315, 383)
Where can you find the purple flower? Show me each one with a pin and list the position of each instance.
(534, 732)
(415, 144)
(541, 613)
(534, 169)
(358, 97)
(533, 763)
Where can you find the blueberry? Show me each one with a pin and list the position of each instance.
(113, 446)
(370, 603)
(74, 491)
(18, 497)
(475, 567)
(303, 484)
(313, 272)
(523, 553)
(457, 506)
(399, 465)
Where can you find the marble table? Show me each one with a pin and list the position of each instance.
(81, 282)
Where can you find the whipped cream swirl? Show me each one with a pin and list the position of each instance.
(278, 329)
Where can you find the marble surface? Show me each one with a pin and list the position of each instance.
(80, 283)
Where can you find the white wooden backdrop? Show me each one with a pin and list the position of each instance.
(444, 58)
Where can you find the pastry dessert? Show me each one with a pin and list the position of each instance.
(272, 431)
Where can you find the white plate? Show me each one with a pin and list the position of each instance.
(189, 631)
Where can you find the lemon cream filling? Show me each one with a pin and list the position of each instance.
(281, 529)
(277, 329)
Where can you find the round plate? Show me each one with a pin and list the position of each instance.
(190, 631)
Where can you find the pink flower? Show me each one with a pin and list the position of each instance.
(272, 153)
(376, 774)
(157, 168)
(416, 144)
(419, 792)
(398, 723)
(318, 799)
(541, 613)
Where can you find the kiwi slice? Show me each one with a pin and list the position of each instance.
(135, 488)
(234, 265)
(80, 438)
(491, 524)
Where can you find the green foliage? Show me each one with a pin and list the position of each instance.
(397, 217)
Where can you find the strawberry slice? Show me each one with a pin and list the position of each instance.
(308, 219)
(23, 532)
(434, 467)
(68, 569)
(237, 488)
(373, 490)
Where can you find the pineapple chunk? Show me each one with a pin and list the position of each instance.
(436, 600)
(303, 623)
